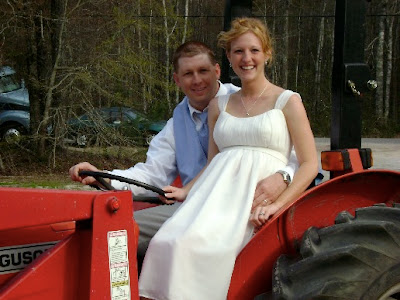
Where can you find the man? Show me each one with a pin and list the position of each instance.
(181, 147)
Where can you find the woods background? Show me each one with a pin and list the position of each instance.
(78, 54)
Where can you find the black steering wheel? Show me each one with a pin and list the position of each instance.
(99, 176)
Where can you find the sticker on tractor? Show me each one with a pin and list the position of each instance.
(15, 258)
(119, 265)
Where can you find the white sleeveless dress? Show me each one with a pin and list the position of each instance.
(193, 254)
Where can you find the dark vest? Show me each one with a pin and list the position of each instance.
(191, 146)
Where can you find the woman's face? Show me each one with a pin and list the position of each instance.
(247, 57)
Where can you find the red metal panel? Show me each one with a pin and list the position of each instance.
(24, 238)
(56, 274)
(78, 266)
(104, 221)
(36, 207)
(356, 163)
(317, 207)
(320, 206)
(252, 272)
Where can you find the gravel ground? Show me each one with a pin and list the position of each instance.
(385, 152)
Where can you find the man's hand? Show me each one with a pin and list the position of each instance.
(84, 166)
(268, 190)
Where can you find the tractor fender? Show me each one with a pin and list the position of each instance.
(317, 207)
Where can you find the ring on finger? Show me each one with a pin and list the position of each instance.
(266, 201)
(261, 214)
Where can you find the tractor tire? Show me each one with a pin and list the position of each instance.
(357, 258)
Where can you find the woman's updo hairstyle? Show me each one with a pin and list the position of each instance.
(242, 25)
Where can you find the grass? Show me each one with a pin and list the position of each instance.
(21, 167)
(44, 181)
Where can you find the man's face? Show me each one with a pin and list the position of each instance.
(197, 77)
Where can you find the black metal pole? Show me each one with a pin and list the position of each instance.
(349, 75)
(233, 9)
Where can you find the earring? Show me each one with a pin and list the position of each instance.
(230, 65)
(266, 62)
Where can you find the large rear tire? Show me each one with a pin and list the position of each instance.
(357, 258)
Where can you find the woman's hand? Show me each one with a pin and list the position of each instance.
(262, 213)
(178, 194)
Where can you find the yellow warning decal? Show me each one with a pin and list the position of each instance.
(121, 283)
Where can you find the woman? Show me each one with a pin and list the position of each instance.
(253, 130)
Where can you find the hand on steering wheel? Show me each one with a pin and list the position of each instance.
(99, 176)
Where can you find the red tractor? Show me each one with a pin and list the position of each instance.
(344, 236)
(339, 240)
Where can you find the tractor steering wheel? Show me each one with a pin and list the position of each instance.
(99, 176)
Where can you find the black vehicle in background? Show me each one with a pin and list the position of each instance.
(107, 125)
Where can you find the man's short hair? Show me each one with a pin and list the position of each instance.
(190, 49)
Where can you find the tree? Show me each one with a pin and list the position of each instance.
(379, 96)
(318, 60)
(44, 24)
(80, 54)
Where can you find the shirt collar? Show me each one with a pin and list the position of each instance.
(223, 90)
(192, 110)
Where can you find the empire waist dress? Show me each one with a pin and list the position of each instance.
(193, 254)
